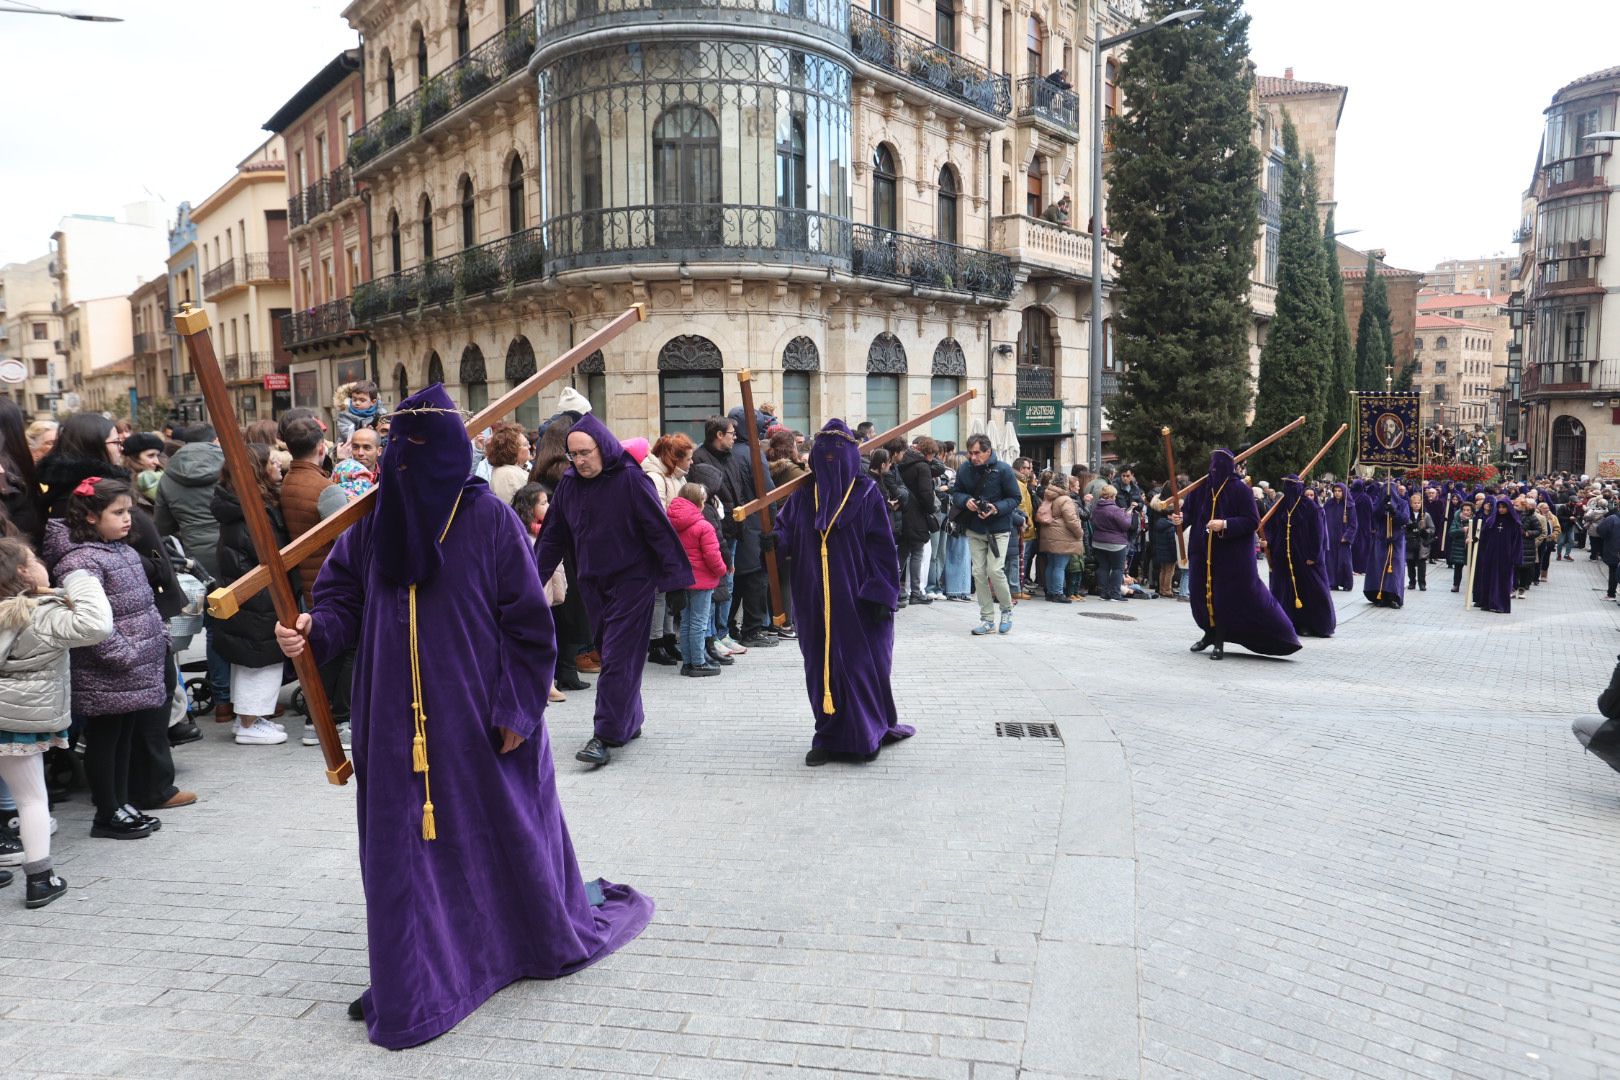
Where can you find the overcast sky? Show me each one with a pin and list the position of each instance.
(1436, 145)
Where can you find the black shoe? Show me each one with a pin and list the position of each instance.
(817, 757)
(5, 878)
(571, 681)
(758, 640)
(1220, 651)
(787, 633)
(184, 732)
(357, 1011)
(145, 819)
(919, 598)
(699, 672)
(594, 752)
(121, 826)
(11, 850)
(1198, 646)
(43, 887)
(716, 656)
(659, 653)
(902, 602)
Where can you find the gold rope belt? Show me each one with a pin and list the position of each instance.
(1288, 542)
(1209, 555)
(419, 758)
(826, 599)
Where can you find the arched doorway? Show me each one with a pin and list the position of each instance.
(885, 381)
(801, 360)
(473, 379)
(435, 368)
(1568, 445)
(689, 385)
(519, 366)
(944, 383)
(402, 384)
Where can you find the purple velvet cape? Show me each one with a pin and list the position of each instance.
(1496, 557)
(1361, 548)
(1298, 578)
(498, 895)
(863, 575)
(1227, 595)
(1342, 524)
(627, 553)
(1385, 583)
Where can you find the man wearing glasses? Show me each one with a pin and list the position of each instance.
(983, 501)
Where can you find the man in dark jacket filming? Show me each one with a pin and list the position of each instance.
(983, 501)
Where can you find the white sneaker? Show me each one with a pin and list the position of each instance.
(343, 735)
(310, 738)
(258, 733)
(731, 646)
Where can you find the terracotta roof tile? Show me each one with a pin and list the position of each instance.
(1276, 86)
(1445, 322)
(1443, 301)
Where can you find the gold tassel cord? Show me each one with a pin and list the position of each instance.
(1389, 560)
(1209, 556)
(419, 758)
(826, 600)
(1288, 542)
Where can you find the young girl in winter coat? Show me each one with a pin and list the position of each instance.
(708, 568)
(118, 683)
(531, 501)
(38, 625)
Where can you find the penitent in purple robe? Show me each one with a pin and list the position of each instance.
(863, 579)
(1434, 504)
(1361, 548)
(1342, 525)
(627, 553)
(1298, 578)
(1385, 583)
(1229, 602)
(497, 895)
(1496, 557)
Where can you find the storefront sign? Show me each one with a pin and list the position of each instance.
(1039, 416)
(1608, 465)
(278, 381)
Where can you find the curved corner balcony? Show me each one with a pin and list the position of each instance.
(931, 264)
(467, 275)
(559, 22)
(1050, 107)
(696, 232)
(914, 65)
(495, 63)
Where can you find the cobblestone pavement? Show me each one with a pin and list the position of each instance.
(1383, 857)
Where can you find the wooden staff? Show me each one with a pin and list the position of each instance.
(776, 495)
(756, 461)
(193, 326)
(225, 602)
(1256, 448)
(1175, 497)
(1306, 471)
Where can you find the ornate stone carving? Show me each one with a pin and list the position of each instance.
(593, 364)
(948, 359)
(801, 355)
(886, 356)
(689, 352)
(471, 369)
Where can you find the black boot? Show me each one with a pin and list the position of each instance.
(43, 887)
(658, 653)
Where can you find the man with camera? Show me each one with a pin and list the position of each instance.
(982, 504)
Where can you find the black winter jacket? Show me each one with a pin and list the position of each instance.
(249, 637)
(917, 515)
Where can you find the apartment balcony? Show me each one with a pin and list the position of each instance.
(150, 342)
(1263, 299)
(227, 275)
(929, 73)
(264, 268)
(466, 275)
(1046, 248)
(1036, 381)
(1111, 384)
(184, 385)
(1049, 107)
(321, 197)
(331, 320)
(931, 264)
(499, 62)
(558, 20)
(1523, 233)
(696, 232)
(246, 367)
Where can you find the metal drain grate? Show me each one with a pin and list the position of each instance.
(1028, 731)
(1107, 615)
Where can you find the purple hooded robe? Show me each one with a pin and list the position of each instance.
(1361, 549)
(1228, 599)
(864, 587)
(1339, 517)
(1496, 557)
(1385, 583)
(1434, 504)
(497, 895)
(1298, 578)
(627, 553)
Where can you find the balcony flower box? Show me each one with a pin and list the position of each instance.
(516, 49)
(435, 103)
(437, 284)
(394, 128)
(479, 272)
(525, 258)
(473, 80)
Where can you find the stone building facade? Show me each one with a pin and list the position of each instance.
(1402, 287)
(31, 334)
(150, 323)
(1493, 274)
(1452, 372)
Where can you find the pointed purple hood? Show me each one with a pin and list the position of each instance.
(1222, 466)
(418, 482)
(835, 462)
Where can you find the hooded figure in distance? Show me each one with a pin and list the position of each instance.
(1385, 583)
(1298, 578)
(607, 513)
(1361, 549)
(846, 584)
(469, 873)
(1497, 555)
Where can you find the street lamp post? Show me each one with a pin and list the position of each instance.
(1099, 46)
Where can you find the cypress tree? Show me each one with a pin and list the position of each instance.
(1298, 356)
(1375, 350)
(1183, 192)
(1342, 379)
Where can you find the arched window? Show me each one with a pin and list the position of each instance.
(950, 368)
(1568, 445)
(514, 196)
(1034, 36)
(686, 175)
(689, 385)
(473, 379)
(402, 384)
(388, 77)
(1417, 344)
(945, 226)
(885, 380)
(590, 185)
(800, 362)
(1440, 343)
(396, 263)
(519, 366)
(1033, 189)
(435, 369)
(1036, 370)
(427, 229)
(463, 29)
(885, 188)
(421, 54)
(469, 215)
(590, 379)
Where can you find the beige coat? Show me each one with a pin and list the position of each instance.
(1067, 533)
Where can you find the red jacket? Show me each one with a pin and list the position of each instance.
(702, 546)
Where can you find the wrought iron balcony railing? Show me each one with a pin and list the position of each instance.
(696, 232)
(508, 261)
(556, 18)
(224, 276)
(147, 342)
(484, 66)
(1036, 381)
(881, 43)
(323, 195)
(1110, 384)
(1041, 99)
(1270, 208)
(240, 367)
(268, 266)
(932, 264)
(328, 320)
